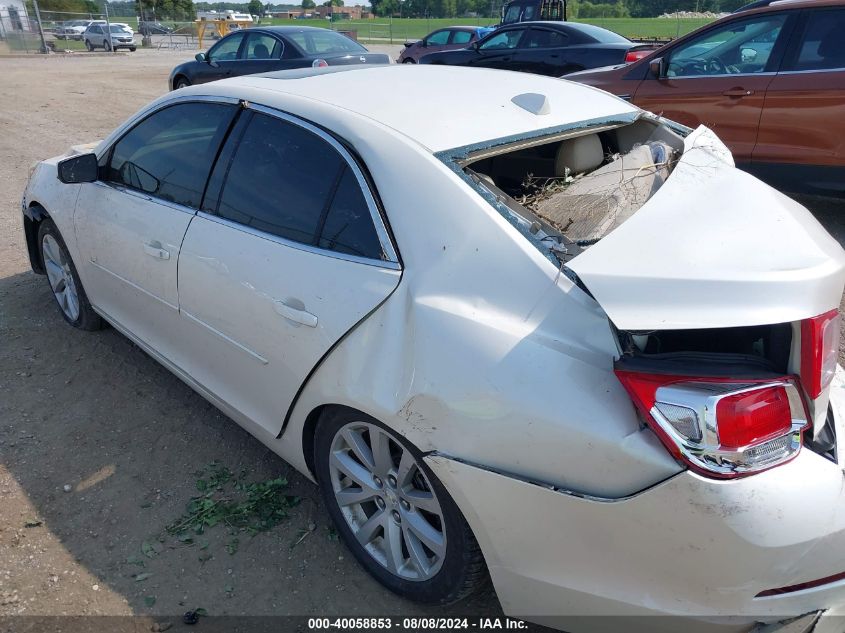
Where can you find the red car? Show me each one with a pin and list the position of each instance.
(769, 81)
(448, 39)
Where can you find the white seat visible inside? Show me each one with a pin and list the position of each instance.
(580, 155)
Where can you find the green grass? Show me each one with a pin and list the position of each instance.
(381, 29)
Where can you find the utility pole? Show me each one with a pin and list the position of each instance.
(44, 48)
(108, 26)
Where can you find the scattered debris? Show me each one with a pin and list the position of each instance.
(67, 487)
(150, 601)
(32, 524)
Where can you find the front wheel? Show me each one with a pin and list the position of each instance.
(106, 45)
(392, 512)
(89, 46)
(131, 49)
(409, 60)
(182, 83)
(64, 280)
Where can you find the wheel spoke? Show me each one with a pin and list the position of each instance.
(54, 272)
(72, 302)
(381, 451)
(352, 469)
(422, 500)
(349, 496)
(425, 532)
(51, 250)
(406, 469)
(419, 559)
(393, 545)
(367, 532)
(356, 442)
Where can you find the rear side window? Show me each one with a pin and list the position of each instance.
(289, 182)
(541, 38)
(461, 37)
(822, 46)
(169, 154)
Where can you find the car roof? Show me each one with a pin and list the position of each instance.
(778, 5)
(439, 107)
(281, 30)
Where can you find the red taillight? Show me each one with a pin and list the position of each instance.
(751, 417)
(819, 351)
(633, 56)
(721, 427)
(319, 63)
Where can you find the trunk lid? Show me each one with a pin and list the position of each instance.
(713, 247)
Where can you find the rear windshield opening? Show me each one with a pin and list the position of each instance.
(580, 187)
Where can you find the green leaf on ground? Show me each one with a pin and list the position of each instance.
(142, 576)
(149, 600)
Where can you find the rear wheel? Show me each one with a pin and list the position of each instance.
(392, 512)
(64, 280)
(409, 60)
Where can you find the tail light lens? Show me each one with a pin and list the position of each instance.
(319, 63)
(721, 427)
(819, 351)
(633, 56)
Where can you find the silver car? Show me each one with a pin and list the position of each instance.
(109, 37)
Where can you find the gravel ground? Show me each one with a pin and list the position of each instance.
(92, 414)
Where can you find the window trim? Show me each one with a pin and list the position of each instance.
(379, 224)
(793, 48)
(119, 134)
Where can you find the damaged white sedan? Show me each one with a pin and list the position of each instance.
(548, 337)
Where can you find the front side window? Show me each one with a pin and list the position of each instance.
(285, 180)
(226, 49)
(742, 46)
(169, 154)
(262, 46)
(822, 46)
(439, 38)
(504, 40)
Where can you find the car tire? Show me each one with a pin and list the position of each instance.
(89, 46)
(64, 280)
(132, 49)
(181, 82)
(409, 60)
(435, 557)
(106, 46)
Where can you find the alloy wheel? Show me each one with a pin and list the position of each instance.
(60, 277)
(387, 501)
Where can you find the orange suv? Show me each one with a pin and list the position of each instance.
(769, 81)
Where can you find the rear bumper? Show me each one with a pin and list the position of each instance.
(689, 547)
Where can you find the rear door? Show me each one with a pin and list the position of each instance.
(130, 223)
(287, 255)
(802, 129)
(719, 79)
(543, 51)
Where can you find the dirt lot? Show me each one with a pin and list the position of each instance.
(93, 415)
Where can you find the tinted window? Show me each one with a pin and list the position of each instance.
(169, 154)
(741, 46)
(280, 179)
(593, 33)
(537, 38)
(438, 38)
(227, 48)
(512, 14)
(461, 37)
(823, 44)
(349, 227)
(502, 40)
(325, 41)
(262, 46)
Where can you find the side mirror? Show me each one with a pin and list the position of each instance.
(748, 55)
(78, 169)
(657, 67)
(201, 57)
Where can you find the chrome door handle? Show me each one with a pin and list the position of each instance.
(154, 249)
(296, 315)
(738, 92)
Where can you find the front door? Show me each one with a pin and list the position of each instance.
(288, 254)
(130, 224)
(719, 79)
(499, 50)
(221, 61)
